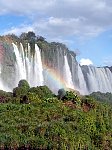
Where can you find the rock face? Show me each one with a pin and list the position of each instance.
(58, 63)
(7, 66)
(50, 64)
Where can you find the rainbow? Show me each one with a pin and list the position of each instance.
(56, 78)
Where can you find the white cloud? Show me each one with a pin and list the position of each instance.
(67, 27)
(87, 62)
(19, 30)
(63, 18)
(108, 61)
(24, 6)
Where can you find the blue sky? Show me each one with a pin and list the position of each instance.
(84, 26)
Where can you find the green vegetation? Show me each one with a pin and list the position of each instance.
(43, 92)
(22, 88)
(5, 96)
(103, 97)
(38, 119)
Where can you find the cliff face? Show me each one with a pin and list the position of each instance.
(17, 65)
(7, 65)
(52, 64)
(53, 58)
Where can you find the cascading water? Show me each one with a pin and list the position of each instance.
(67, 74)
(38, 69)
(27, 64)
(21, 72)
(100, 79)
(29, 67)
(82, 83)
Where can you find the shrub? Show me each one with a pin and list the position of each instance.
(61, 93)
(52, 100)
(5, 96)
(68, 96)
(43, 92)
(33, 98)
(19, 92)
(89, 101)
(23, 83)
(24, 100)
(71, 96)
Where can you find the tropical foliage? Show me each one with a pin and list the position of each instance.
(46, 121)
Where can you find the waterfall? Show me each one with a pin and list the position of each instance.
(100, 79)
(28, 67)
(61, 70)
(38, 69)
(21, 71)
(67, 74)
(82, 83)
(73, 67)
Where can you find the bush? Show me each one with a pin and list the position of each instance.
(68, 96)
(23, 83)
(89, 101)
(103, 97)
(61, 93)
(5, 96)
(43, 92)
(19, 92)
(22, 89)
(72, 97)
(52, 100)
(33, 98)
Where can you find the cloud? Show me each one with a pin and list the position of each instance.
(55, 18)
(59, 27)
(108, 61)
(24, 7)
(19, 30)
(87, 62)
(68, 27)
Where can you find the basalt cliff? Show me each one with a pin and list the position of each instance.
(52, 64)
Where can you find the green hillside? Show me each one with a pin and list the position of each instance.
(35, 118)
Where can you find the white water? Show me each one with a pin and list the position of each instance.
(82, 82)
(67, 74)
(21, 71)
(38, 69)
(28, 67)
(100, 79)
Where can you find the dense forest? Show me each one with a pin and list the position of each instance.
(33, 118)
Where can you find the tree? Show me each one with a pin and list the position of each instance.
(43, 92)
(31, 35)
(22, 89)
(28, 36)
(23, 83)
(23, 36)
(61, 93)
(13, 36)
(40, 38)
